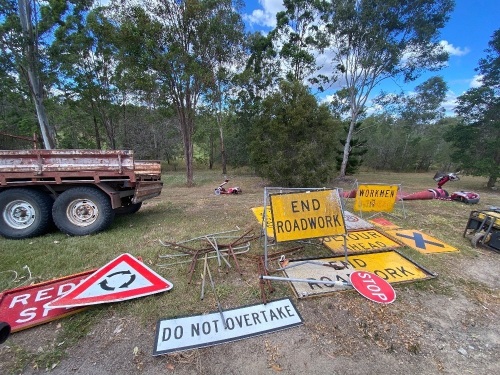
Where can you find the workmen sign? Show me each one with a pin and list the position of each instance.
(391, 266)
(376, 197)
(173, 335)
(362, 241)
(310, 214)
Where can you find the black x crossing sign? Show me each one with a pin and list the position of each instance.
(421, 241)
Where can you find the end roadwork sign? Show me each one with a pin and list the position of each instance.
(312, 214)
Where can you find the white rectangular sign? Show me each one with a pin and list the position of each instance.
(191, 332)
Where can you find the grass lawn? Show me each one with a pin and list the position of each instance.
(180, 214)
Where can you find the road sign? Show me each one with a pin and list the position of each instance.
(376, 197)
(389, 265)
(420, 241)
(122, 279)
(259, 214)
(362, 241)
(24, 307)
(197, 331)
(305, 215)
(353, 222)
(372, 287)
(384, 223)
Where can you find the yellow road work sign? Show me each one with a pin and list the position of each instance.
(307, 215)
(352, 222)
(361, 242)
(420, 241)
(389, 265)
(375, 197)
(259, 214)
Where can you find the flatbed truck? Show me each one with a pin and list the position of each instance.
(80, 191)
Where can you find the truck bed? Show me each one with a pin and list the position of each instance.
(36, 167)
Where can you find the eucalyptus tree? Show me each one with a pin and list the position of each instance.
(171, 44)
(295, 38)
(258, 80)
(26, 29)
(419, 115)
(369, 41)
(83, 52)
(476, 139)
(21, 31)
(224, 59)
(410, 131)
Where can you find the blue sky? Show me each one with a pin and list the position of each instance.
(465, 36)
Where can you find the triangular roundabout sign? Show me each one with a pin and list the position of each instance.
(124, 278)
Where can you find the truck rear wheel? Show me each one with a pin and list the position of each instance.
(24, 213)
(129, 209)
(82, 210)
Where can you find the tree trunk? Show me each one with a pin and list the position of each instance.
(222, 150)
(211, 150)
(188, 155)
(97, 135)
(34, 82)
(492, 180)
(187, 128)
(347, 147)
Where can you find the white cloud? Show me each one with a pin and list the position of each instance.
(452, 50)
(450, 102)
(265, 16)
(476, 81)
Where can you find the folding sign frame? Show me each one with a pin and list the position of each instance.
(377, 198)
(301, 213)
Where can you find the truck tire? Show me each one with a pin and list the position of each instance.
(24, 213)
(131, 208)
(83, 210)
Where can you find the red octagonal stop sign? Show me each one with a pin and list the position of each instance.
(372, 287)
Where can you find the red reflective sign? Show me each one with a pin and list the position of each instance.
(124, 278)
(24, 307)
(372, 287)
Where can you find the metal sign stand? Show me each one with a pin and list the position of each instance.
(268, 191)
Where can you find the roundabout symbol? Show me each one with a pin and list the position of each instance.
(104, 283)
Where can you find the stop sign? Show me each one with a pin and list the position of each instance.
(372, 287)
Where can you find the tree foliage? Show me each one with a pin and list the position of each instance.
(476, 139)
(176, 44)
(295, 35)
(409, 135)
(294, 138)
(372, 40)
